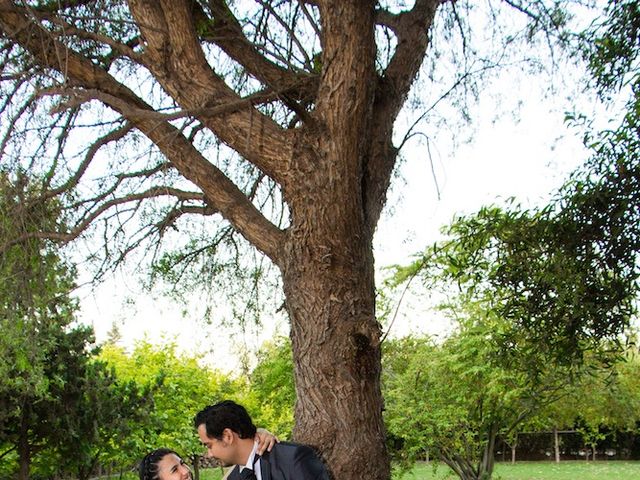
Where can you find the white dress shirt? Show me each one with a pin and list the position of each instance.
(250, 462)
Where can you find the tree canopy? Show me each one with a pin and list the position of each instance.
(564, 276)
(58, 407)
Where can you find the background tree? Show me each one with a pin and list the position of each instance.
(55, 401)
(604, 403)
(271, 395)
(541, 295)
(564, 277)
(406, 439)
(454, 400)
(181, 387)
(233, 109)
(35, 310)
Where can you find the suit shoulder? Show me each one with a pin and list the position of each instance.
(303, 461)
(291, 448)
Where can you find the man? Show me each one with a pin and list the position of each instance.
(227, 432)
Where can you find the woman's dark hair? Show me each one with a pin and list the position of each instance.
(148, 469)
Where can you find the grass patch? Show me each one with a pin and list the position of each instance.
(567, 470)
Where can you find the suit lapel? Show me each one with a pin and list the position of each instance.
(264, 466)
(235, 473)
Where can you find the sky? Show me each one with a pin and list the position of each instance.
(526, 159)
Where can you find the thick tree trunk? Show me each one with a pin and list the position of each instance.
(556, 444)
(328, 278)
(327, 261)
(335, 339)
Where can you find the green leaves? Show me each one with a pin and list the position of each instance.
(58, 407)
(271, 395)
(542, 298)
(180, 388)
(611, 46)
(563, 277)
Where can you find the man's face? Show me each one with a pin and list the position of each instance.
(172, 467)
(219, 449)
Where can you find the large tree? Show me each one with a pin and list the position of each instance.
(231, 109)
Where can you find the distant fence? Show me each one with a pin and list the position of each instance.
(571, 446)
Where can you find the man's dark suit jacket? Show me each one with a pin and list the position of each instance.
(288, 461)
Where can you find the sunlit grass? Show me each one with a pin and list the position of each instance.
(567, 470)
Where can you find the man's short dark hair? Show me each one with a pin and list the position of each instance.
(225, 414)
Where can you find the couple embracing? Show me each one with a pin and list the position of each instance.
(229, 436)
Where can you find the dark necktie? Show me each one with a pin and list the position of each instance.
(247, 473)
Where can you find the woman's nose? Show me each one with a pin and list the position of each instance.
(185, 472)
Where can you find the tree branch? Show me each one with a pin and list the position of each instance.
(388, 19)
(292, 35)
(80, 96)
(175, 57)
(67, 29)
(112, 136)
(411, 28)
(219, 189)
(172, 217)
(84, 223)
(226, 32)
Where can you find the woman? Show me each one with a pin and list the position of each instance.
(165, 464)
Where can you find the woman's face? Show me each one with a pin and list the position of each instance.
(172, 467)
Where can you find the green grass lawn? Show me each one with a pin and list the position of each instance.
(568, 470)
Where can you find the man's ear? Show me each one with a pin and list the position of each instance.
(228, 436)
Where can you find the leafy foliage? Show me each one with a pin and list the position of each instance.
(541, 297)
(452, 401)
(271, 396)
(601, 403)
(181, 387)
(611, 47)
(564, 277)
(59, 409)
(545, 297)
